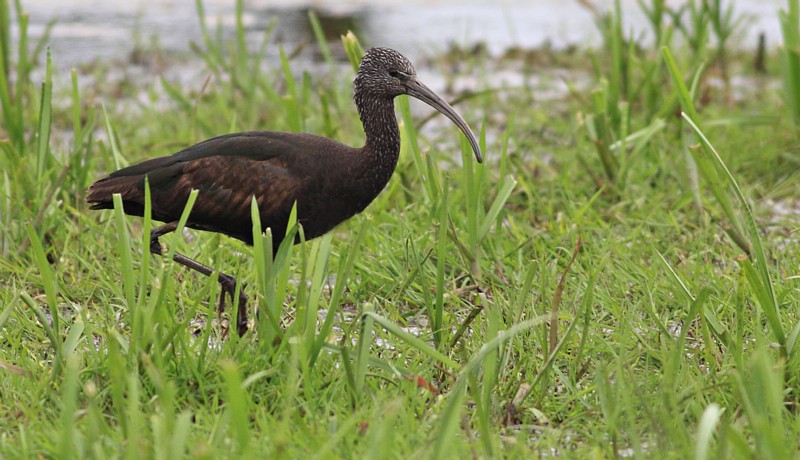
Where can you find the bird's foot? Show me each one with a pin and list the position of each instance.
(228, 285)
(155, 246)
(241, 323)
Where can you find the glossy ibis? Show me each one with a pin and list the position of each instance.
(329, 181)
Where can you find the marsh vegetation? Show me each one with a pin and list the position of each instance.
(618, 278)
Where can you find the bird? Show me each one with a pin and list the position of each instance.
(328, 181)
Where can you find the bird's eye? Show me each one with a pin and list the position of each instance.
(399, 74)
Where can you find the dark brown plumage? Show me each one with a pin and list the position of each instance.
(330, 181)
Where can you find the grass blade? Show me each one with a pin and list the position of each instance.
(705, 430)
(497, 206)
(45, 119)
(322, 42)
(116, 153)
(764, 289)
(236, 406)
(437, 315)
(704, 162)
(124, 250)
(412, 340)
(790, 60)
(341, 281)
(452, 413)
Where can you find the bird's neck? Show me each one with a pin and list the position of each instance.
(382, 147)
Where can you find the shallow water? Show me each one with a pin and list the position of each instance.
(89, 29)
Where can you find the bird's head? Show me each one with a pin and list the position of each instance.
(384, 74)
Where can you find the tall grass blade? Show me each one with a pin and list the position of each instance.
(74, 337)
(473, 200)
(175, 93)
(124, 250)
(116, 153)
(236, 406)
(272, 273)
(50, 286)
(687, 102)
(5, 38)
(291, 101)
(762, 387)
(705, 430)
(677, 279)
(147, 223)
(353, 49)
(240, 57)
(362, 348)
(322, 42)
(318, 280)
(345, 268)
(81, 132)
(764, 288)
(452, 413)
(412, 340)
(449, 421)
(23, 75)
(427, 173)
(69, 406)
(790, 60)
(134, 418)
(483, 392)
(11, 96)
(497, 205)
(7, 309)
(437, 315)
(45, 119)
(705, 163)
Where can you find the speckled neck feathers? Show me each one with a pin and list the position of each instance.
(374, 93)
(383, 75)
(382, 147)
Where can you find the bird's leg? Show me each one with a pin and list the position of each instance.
(227, 282)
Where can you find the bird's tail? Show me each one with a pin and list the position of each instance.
(101, 194)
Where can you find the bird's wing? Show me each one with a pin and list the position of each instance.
(255, 145)
(227, 170)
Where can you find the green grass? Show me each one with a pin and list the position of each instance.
(422, 328)
(790, 59)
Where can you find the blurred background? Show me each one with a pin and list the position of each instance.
(86, 30)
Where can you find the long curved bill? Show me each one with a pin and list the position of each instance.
(418, 90)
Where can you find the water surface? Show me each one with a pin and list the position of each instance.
(89, 29)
